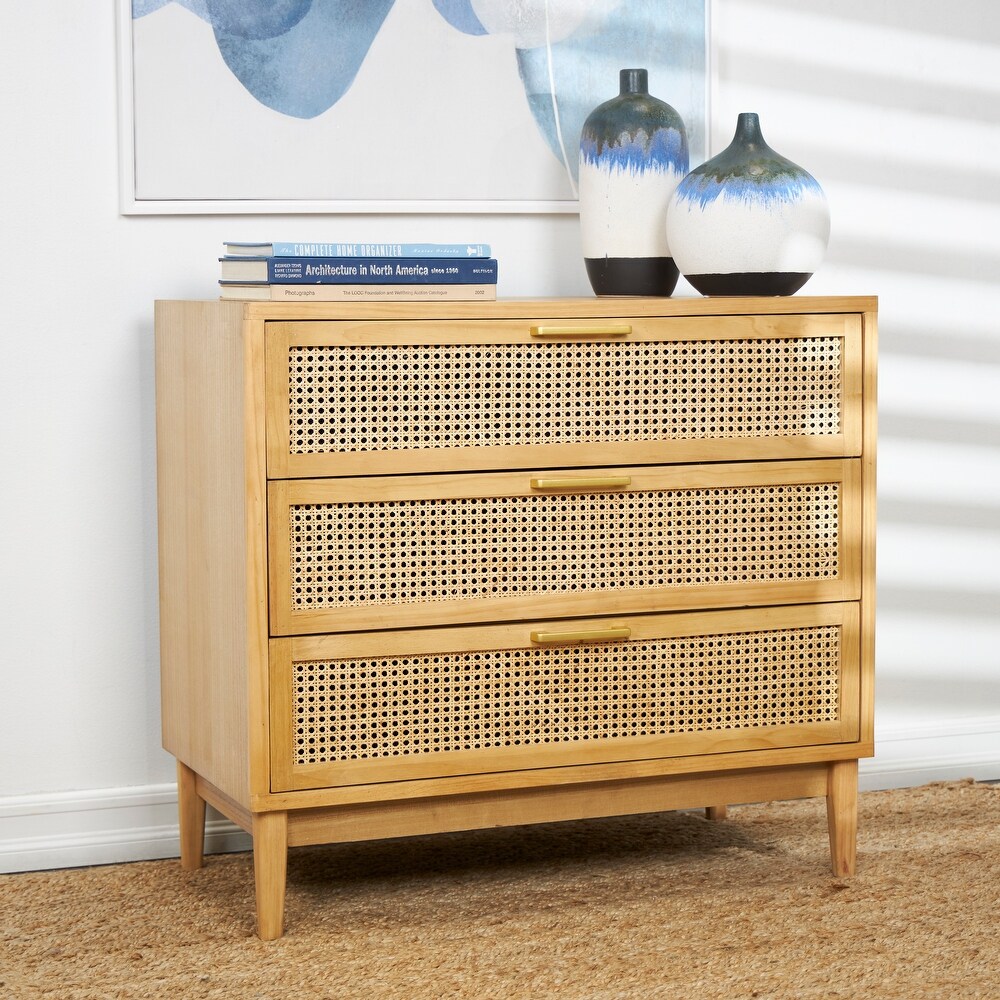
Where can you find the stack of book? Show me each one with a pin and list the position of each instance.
(326, 272)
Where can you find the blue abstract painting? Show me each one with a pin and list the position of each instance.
(305, 60)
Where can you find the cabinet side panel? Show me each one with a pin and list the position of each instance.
(868, 489)
(203, 556)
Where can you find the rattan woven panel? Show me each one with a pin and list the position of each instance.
(359, 709)
(377, 398)
(395, 552)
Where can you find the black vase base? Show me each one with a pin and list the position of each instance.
(632, 275)
(749, 283)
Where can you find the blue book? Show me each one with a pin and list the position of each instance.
(357, 249)
(360, 270)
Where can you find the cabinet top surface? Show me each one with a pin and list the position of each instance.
(545, 307)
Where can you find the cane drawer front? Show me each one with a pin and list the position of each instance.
(372, 397)
(379, 707)
(406, 551)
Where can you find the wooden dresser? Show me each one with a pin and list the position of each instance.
(442, 566)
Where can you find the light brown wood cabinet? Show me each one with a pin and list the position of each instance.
(441, 566)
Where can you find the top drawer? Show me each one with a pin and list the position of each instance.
(370, 397)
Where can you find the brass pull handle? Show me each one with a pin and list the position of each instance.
(582, 635)
(612, 330)
(582, 483)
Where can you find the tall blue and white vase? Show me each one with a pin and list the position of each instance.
(633, 153)
(748, 221)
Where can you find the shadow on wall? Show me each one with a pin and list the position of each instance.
(934, 514)
(930, 16)
(909, 139)
(917, 602)
(933, 342)
(941, 430)
(972, 104)
(913, 259)
(907, 695)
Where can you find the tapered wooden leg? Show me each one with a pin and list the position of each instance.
(717, 813)
(842, 815)
(191, 819)
(270, 863)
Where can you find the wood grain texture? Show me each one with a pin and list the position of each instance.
(565, 308)
(869, 522)
(238, 453)
(546, 805)
(842, 816)
(270, 864)
(430, 523)
(301, 367)
(452, 665)
(204, 566)
(191, 819)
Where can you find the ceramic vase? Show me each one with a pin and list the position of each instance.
(748, 221)
(633, 153)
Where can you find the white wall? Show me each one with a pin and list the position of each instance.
(894, 107)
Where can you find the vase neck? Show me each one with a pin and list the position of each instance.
(748, 130)
(634, 81)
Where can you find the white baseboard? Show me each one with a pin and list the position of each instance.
(906, 756)
(110, 825)
(99, 827)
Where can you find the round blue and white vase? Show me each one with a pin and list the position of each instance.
(633, 153)
(748, 221)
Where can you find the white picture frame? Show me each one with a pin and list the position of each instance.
(159, 165)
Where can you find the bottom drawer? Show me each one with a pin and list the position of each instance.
(388, 706)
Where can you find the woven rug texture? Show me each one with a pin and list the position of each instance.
(662, 905)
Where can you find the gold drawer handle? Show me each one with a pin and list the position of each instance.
(613, 330)
(592, 483)
(583, 635)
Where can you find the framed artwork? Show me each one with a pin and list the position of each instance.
(245, 106)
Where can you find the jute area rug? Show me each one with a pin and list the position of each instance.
(666, 905)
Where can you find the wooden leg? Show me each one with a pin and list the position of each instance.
(270, 863)
(716, 813)
(191, 819)
(842, 815)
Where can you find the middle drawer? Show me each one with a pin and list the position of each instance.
(404, 551)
